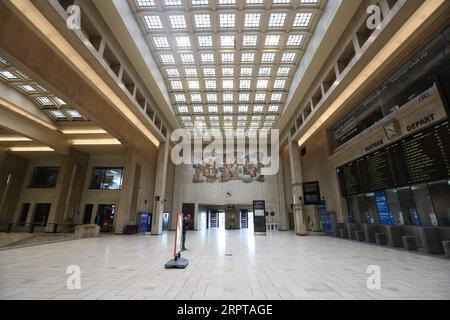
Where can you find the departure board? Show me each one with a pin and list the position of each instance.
(420, 158)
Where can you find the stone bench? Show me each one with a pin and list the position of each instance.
(380, 238)
(446, 245)
(343, 233)
(409, 243)
(87, 231)
(360, 236)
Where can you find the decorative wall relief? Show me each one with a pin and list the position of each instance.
(211, 172)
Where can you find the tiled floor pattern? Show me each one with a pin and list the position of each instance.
(223, 265)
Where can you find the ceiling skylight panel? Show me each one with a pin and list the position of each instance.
(190, 72)
(187, 58)
(211, 97)
(198, 109)
(273, 109)
(227, 97)
(302, 19)
(227, 71)
(248, 57)
(161, 42)
(180, 98)
(295, 40)
(243, 109)
(196, 97)
(252, 20)
(253, 2)
(74, 114)
(8, 75)
(260, 97)
(57, 114)
(277, 20)
(207, 57)
(279, 84)
(178, 21)
(227, 57)
(244, 97)
(228, 109)
(246, 71)
(200, 2)
(205, 41)
(27, 88)
(262, 84)
(265, 71)
(258, 109)
(268, 57)
(227, 41)
(288, 57)
(276, 97)
(250, 41)
(145, 3)
(44, 101)
(272, 41)
(183, 109)
(208, 72)
(183, 42)
(153, 22)
(167, 58)
(213, 109)
(210, 84)
(245, 84)
(228, 84)
(227, 2)
(176, 85)
(227, 20)
(283, 71)
(172, 3)
(202, 21)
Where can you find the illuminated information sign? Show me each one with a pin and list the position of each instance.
(419, 158)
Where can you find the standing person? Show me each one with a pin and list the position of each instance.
(186, 221)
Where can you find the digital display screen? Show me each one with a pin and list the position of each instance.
(420, 158)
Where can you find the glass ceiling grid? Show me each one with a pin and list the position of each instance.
(228, 64)
(54, 107)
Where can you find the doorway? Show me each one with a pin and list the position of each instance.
(41, 213)
(88, 214)
(105, 217)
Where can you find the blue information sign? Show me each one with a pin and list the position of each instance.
(384, 214)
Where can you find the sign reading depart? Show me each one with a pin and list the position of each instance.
(419, 158)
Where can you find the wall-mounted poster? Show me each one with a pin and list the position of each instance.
(311, 193)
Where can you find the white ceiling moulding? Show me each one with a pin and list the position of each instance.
(50, 34)
(392, 47)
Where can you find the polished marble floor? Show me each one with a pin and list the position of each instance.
(223, 265)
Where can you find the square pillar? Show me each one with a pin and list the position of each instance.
(160, 187)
